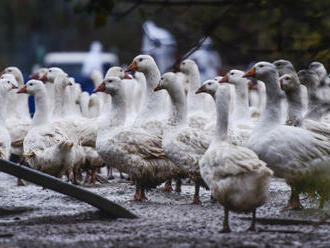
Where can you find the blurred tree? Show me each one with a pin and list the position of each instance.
(242, 31)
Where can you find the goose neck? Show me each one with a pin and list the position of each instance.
(178, 114)
(117, 116)
(3, 107)
(272, 112)
(295, 106)
(222, 108)
(41, 115)
(241, 108)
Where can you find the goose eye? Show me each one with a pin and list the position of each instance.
(8, 82)
(110, 81)
(9, 70)
(261, 66)
(140, 59)
(50, 70)
(121, 70)
(183, 63)
(161, 78)
(287, 78)
(31, 84)
(232, 73)
(209, 83)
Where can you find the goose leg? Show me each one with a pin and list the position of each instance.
(178, 185)
(294, 201)
(168, 186)
(225, 224)
(110, 175)
(196, 195)
(20, 182)
(139, 193)
(253, 222)
(93, 181)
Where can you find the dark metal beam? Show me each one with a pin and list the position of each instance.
(108, 207)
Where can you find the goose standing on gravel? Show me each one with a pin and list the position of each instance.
(182, 144)
(299, 156)
(131, 150)
(46, 146)
(236, 177)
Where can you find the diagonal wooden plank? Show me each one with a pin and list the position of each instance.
(110, 208)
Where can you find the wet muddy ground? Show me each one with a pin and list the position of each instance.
(32, 217)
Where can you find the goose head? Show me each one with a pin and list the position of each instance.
(235, 77)
(169, 82)
(117, 71)
(51, 74)
(309, 78)
(209, 86)
(284, 66)
(142, 63)
(187, 66)
(110, 85)
(319, 68)
(262, 70)
(39, 73)
(32, 87)
(288, 83)
(14, 71)
(8, 82)
(11, 78)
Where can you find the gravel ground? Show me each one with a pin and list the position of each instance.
(43, 218)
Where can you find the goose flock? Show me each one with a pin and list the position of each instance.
(229, 134)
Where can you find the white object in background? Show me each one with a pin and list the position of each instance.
(93, 60)
(208, 60)
(160, 44)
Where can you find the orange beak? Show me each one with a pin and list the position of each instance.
(34, 76)
(201, 89)
(100, 88)
(224, 79)
(132, 67)
(158, 87)
(44, 77)
(22, 90)
(13, 86)
(2, 73)
(127, 76)
(250, 73)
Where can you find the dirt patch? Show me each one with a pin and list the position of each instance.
(165, 220)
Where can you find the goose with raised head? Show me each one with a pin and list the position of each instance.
(47, 147)
(182, 144)
(131, 150)
(48, 78)
(299, 156)
(154, 109)
(18, 119)
(292, 89)
(323, 90)
(237, 178)
(199, 106)
(6, 86)
(286, 67)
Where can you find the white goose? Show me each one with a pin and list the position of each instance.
(323, 91)
(5, 142)
(236, 177)
(133, 151)
(46, 146)
(154, 109)
(295, 154)
(84, 102)
(18, 120)
(182, 144)
(199, 106)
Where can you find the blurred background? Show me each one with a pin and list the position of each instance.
(224, 33)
